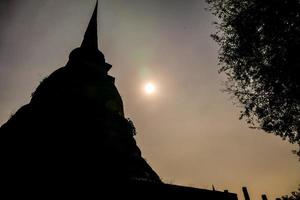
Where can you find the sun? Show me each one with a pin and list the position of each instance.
(149, 88)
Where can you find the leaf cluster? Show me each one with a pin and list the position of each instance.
(259, 53)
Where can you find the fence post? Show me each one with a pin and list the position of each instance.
(264, 197)
(246, 194)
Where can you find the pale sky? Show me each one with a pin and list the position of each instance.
(188, 129)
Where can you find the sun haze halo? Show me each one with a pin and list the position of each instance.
(149, 88)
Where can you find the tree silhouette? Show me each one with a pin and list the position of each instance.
(294, 196)
(259, 54)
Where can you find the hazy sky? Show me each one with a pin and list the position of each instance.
(188, 130)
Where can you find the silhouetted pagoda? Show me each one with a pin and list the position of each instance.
(75, 124)
(74, 132)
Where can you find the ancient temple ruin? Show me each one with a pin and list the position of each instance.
(75, 123)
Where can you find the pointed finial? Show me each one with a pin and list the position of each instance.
(90, 40)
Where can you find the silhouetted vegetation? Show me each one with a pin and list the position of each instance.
(259, 53)
(131, 127)
(294, 196)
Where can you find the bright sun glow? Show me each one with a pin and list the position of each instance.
(150, 88)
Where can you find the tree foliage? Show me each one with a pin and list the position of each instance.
(260, 56)
(294, 196)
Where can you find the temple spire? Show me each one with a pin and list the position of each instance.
(90, 40)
